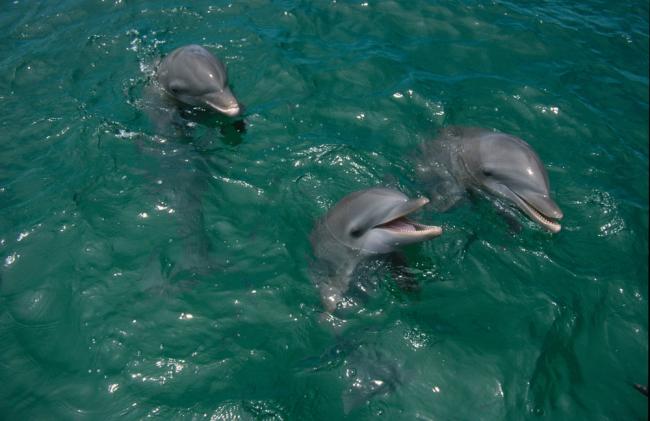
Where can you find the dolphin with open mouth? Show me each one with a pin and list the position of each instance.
(363, 224)
(500, 165)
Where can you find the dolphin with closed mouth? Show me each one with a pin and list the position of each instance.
(363, 224)
(498, 164)
(194, 76)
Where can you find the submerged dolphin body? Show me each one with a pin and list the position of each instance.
(193, 76)
(363, 224)
(501, 165)
(188, 82)
(178, 180)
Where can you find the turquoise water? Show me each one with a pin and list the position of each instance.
(143, 275)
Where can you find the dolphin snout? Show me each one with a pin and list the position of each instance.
(557, 214)
(540, 208)
(543, 203)
(550, 208)
(223, 102)
(421, 201)
(231, 111)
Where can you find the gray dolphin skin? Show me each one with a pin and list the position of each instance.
(501, 165)
(192, 75)
(363, 224)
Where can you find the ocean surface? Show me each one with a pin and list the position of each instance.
(168, 276)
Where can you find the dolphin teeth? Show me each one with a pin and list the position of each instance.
(399, 224)
(552, 225)
(545, 221)
(403, 224)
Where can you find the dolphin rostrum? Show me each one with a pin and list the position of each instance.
(363, 224)
(503, 166)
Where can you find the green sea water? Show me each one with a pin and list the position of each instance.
(144, 275)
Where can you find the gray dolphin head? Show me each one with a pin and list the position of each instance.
(375, 221)
(509, 168)
(194, 76)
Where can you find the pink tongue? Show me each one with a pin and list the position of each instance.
(399, 225)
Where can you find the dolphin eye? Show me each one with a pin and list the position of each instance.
(356, 233)
(487, 173)
(176, 88)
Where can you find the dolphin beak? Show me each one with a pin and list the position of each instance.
(400, 226)
(223, 102)
(543, 204)
(546, 220)
(540, 208)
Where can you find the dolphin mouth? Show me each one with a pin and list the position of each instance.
(402, 225)
(231, 110)
(545, 221)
